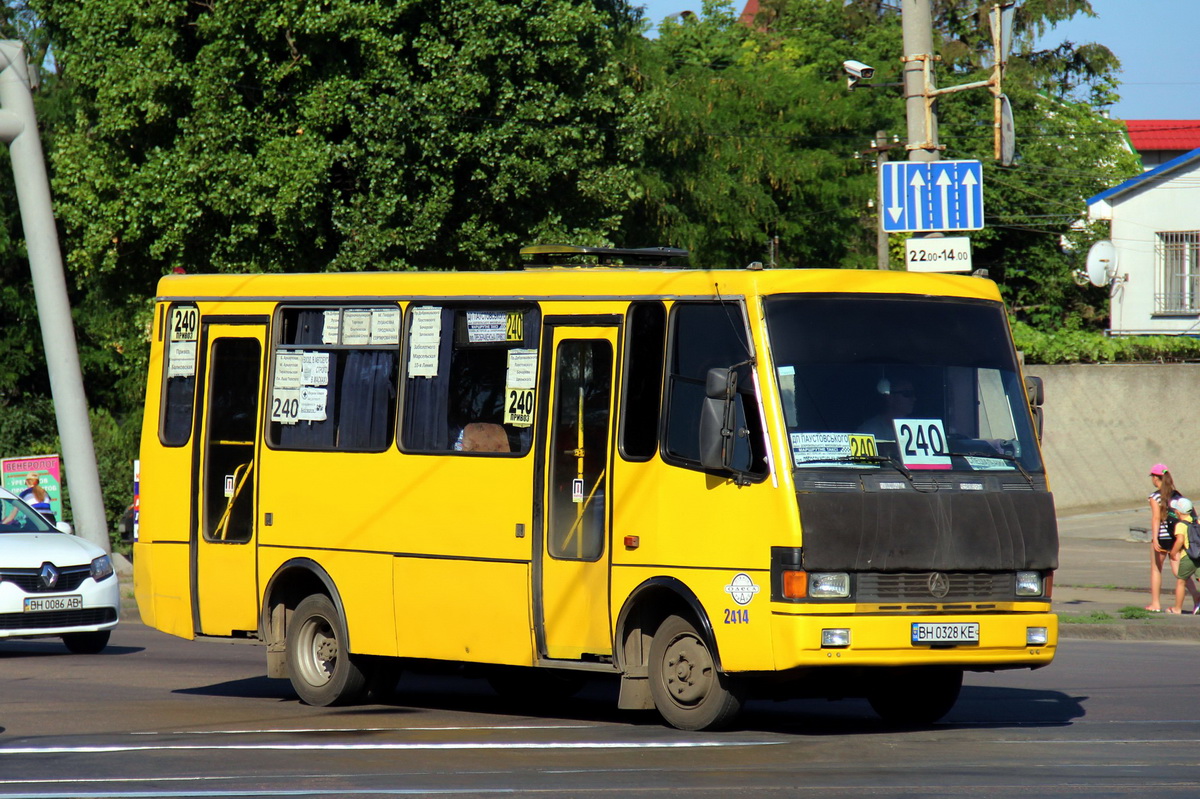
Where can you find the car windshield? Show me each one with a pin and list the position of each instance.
(17, 517)
(883, 381)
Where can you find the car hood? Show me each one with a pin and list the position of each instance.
(31, 550)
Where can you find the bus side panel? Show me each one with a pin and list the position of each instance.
(459, 528)
(713, 537)
(462, 610)
(162, 573)
(161, 587)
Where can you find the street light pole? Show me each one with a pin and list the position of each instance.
(18, 127)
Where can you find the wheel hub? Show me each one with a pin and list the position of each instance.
(689, 671)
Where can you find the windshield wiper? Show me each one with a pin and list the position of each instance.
(879, 459)
(1003, 456)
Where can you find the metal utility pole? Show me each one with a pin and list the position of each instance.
(879, 148)
(917, 26)
(18, 127)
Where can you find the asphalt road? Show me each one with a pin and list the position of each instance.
(156, 716)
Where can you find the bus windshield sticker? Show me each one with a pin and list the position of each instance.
(385, 326)
(833, 449)
(518, 406)
(285, 390)
(312, 404)
(181, 359)
(487, 326)
(331, 330)
(356, 328)
(181, 351)
(922, 443)
(424, 338)
(314, 368)
(976, 462)
(522, 369)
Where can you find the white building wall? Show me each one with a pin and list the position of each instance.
(1167, 203)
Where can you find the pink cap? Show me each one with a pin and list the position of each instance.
(1159, 469)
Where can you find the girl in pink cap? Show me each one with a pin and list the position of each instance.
(1162, 538)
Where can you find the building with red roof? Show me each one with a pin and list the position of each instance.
(1158, 141)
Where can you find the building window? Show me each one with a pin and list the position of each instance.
(1177, 254)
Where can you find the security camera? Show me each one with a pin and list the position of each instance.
(859, 70)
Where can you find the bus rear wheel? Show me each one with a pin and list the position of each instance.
(916, 696)
(320, 667)
(689, 691)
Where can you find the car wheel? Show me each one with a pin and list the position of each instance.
(86, 643)
(320, 667)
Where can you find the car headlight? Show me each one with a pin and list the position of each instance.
(102, 568)
(1029, 583)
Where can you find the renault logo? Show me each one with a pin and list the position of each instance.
(49, 575)
(939, 585)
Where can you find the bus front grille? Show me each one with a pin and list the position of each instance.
(921, 587)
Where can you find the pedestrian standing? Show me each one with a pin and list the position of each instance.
(1182, 513)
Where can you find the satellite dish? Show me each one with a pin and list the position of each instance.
(1101, 263)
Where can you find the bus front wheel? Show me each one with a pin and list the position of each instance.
(916, 696)
(689, 691)
(319, 665)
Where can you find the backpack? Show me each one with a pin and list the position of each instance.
(1193, 537)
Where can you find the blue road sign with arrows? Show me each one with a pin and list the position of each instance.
(938, 195)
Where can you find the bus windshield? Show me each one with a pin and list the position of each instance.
(907, 382)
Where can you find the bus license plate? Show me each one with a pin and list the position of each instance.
(952, 633)
(40, 604)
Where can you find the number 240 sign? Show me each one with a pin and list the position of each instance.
(922, 443)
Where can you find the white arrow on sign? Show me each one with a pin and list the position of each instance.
(943, 181)
(894, 209)
(918, 183)
(970, 182)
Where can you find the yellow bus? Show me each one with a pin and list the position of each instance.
(710, 484)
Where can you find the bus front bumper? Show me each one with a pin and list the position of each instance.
(975, 641)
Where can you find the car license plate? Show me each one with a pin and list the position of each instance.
(951, 633)
(44, 603)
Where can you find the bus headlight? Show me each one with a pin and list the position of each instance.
(837, 637)
(1029, 583)
(1035, 636)
(832, 585)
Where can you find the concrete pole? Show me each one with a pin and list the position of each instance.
(18, 127)
(918, 51)
(882, 256)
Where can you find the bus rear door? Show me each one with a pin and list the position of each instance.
(572, 565)
(224, 582)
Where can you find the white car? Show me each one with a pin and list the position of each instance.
(53, 583)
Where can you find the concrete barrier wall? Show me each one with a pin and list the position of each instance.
(1107, 424)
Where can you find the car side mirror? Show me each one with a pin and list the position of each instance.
(64, 527)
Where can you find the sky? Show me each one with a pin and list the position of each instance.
(1154, 39)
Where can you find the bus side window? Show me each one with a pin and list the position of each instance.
(470, 379)
(707, 336)
(179, 380)
(641, 401)
(334, 378)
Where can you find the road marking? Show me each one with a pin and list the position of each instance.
(471, 728)
(372, 747)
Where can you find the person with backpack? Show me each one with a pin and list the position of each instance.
(1186, 549)
(1162, 535)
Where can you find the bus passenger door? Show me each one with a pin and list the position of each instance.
(572, 565)
(224, 581)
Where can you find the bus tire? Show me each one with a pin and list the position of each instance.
(319, 666)
(689, 691)
(916, 696)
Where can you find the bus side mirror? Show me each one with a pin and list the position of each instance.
(1036, 394)
(718, 420)
(1034, 391)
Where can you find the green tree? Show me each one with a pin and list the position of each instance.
(754, 143)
